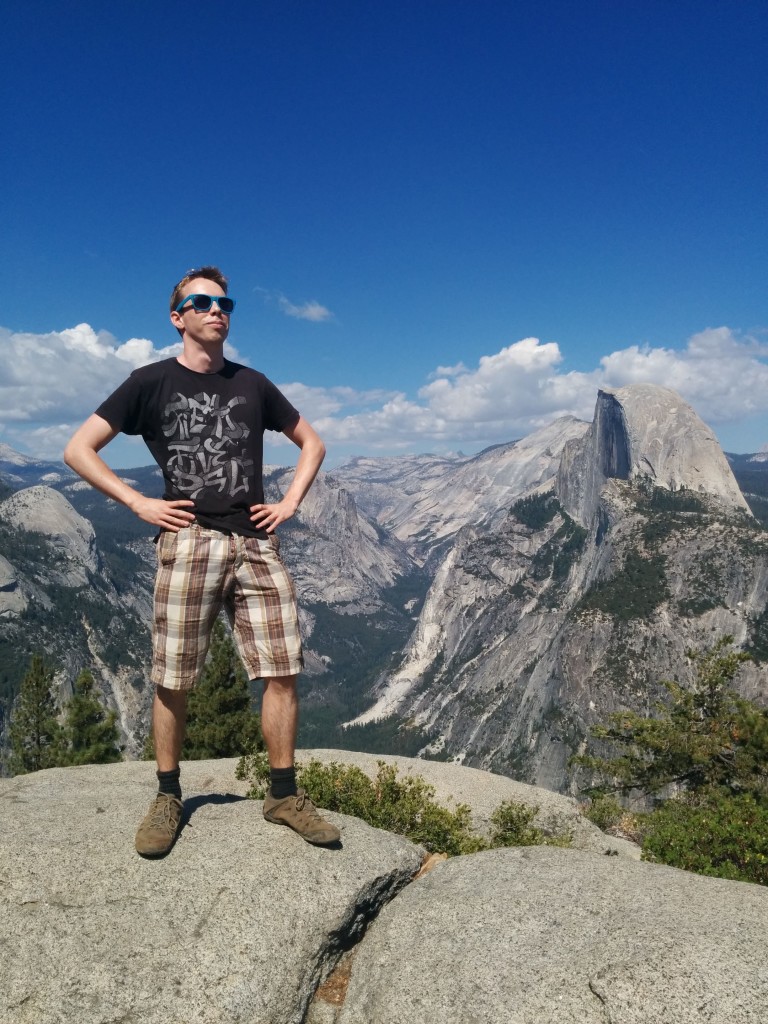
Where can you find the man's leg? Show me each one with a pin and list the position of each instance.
(280, 719)
(160, 827)
(169, 718)
(266, 628)
(284, 804)
(191, 575)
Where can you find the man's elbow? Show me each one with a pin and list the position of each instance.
(73, 453)
(69, 455)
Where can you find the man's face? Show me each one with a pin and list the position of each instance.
(210, 327)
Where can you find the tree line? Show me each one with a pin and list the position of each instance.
(221, 721)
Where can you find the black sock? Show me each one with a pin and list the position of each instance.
(168, 782)
(282, 782)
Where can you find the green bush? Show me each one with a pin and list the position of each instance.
(701, 736)
(711, 745)
(715, 833)
(604, 811)
(405, 806)
(513, 826)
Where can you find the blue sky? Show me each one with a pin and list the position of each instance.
(444, 223)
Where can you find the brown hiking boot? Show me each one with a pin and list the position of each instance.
(299, 813)
(158, 831)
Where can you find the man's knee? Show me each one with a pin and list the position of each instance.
(171, 699)
(283, 684)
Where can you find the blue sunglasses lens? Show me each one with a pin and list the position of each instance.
(202, 303)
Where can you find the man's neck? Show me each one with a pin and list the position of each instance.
(200, 359)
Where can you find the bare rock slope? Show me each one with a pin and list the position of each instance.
(243, 921)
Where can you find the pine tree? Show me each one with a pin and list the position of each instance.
(220, 719)
(35, 735)
(703, 736)
(90, 731)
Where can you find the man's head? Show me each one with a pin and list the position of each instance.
(188, 316)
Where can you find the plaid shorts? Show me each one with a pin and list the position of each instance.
(201, 571)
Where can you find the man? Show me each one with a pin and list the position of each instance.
(203, 419)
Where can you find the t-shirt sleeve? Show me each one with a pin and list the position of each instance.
(278, 411)
(124, 407)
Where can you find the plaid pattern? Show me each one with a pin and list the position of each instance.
(200, 571)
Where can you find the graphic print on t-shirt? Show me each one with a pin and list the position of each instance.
(206, 445)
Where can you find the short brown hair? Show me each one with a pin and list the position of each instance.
(209, 273)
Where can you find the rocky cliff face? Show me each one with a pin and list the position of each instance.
(585, 595)
(643, 432)
(71, 538)
(424, 500)
(86, 602)
(61, 597)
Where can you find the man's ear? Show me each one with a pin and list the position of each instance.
(177, 320)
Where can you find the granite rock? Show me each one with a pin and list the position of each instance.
(238, 924)
(560, 937)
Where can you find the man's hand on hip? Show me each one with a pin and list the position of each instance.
(170, 515)
(268, 517)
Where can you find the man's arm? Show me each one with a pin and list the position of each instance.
(312, 454)
(81, 454)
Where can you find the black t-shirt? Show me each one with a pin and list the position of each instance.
(205, 432)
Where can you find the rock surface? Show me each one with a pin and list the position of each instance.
(243, 921)
(560, 937)
(644, 431)
(538, 626)
(12, 600)
(424, 500)
(239, 924)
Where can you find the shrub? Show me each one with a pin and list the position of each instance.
(712, 746)
(604, 811)
(405, 806)
(513, 826)
(705, 735)
(715, 833)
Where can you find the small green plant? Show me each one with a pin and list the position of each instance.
(712, 833)
(513, 826)
(604, 811)
(403, 805)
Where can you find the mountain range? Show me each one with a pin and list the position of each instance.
(486, 609)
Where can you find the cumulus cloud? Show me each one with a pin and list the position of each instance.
(311, 310)
(43, 389)
(507, 394)
(721, 374)
(520, 388)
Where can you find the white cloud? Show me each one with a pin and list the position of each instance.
(520, 388)
(315, 402)
(48, 383)
(311, 310)
(719, 373)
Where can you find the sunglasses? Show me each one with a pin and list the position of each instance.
(202, 303)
